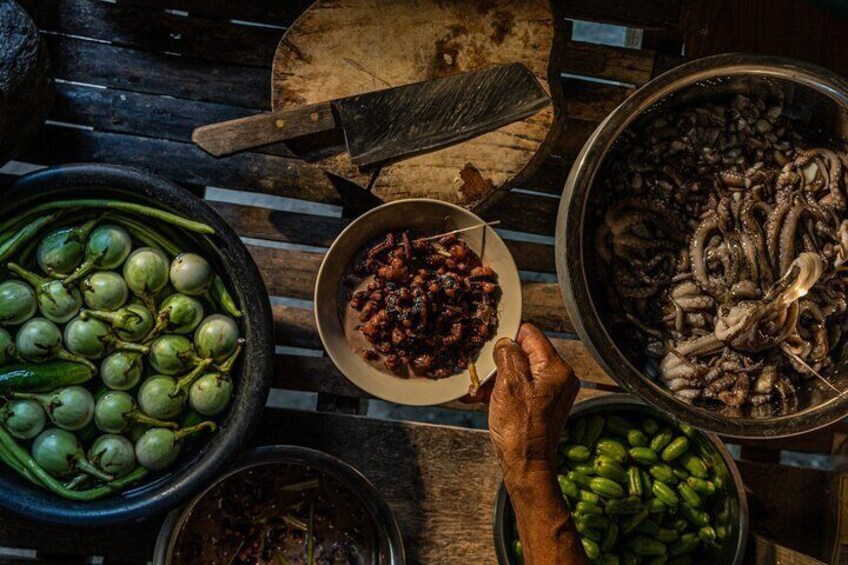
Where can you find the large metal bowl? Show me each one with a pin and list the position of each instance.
(815, 97)
(733, 550)
(390, 549)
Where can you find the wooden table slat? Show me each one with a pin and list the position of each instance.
(621, 64)
(293, 227)
(183, 162)
(592, 101)
(273, 12)
(91, 62)
(157, 30)
(648, 14)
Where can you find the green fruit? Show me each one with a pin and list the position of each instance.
(643, 455)
(642, 545)
(662, 439)
(594, 428)
(665, 494)
(695, 465)
(686, 544)
(606, 488)
(618, 425)
(612, 448)
(576, 452)
(675, 449)
(636, 438)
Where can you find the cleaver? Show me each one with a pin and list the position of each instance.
(386, 125)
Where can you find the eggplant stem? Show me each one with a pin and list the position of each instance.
(180, 435)
(66, 355)
(142, 418)
(86, 466)
(185, 382)
(226, 366)
(30, 465)
(120, 345)
(86, 267)
(30, 277)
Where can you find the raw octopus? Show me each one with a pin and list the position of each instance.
(722, 239)
(429, 306)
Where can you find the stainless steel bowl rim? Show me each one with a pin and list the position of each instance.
(384, 521)
(571, 275)
(612, 401)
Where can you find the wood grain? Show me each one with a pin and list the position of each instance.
(629, 66)
(184, 163)
(441, 483)
(140, 26)
(336, 50)
(158, 73)
(769, 552)
(788, 504)
(291, 227)
(791, 28)
(272, 12)
(224, 138)
(649, 14)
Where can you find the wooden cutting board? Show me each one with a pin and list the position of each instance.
(340, 48)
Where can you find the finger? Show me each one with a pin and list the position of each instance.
(539, 349)
(483, 394)
(511, 361)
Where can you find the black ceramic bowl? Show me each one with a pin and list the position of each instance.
(390, 544)
(194, 470)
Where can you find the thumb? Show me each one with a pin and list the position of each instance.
(511, 361)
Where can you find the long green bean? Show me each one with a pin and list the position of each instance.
(217, 291)
(26, 460)
(147, 236)
(11, 461)
(131, 207)
(11, 245)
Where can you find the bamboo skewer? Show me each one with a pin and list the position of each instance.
(469, 228)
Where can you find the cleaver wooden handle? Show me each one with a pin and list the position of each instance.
(255, 131)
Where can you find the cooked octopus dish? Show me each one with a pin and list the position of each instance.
(426, 305)
(721, 240)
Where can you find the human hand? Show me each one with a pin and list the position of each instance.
(530, 401)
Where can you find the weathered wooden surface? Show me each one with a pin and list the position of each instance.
(792, 28)
(441, 483)
(172, 65)
(787, 504)
(768, 552)
(338, 49)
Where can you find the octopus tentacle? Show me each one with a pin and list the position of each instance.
(773, 230)
(696, 252)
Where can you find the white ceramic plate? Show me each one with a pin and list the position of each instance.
(428, 216)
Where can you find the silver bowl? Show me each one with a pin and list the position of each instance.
(390, 544)
(732, 551)
(815, 97)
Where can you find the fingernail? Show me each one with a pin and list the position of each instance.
(503, 342)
